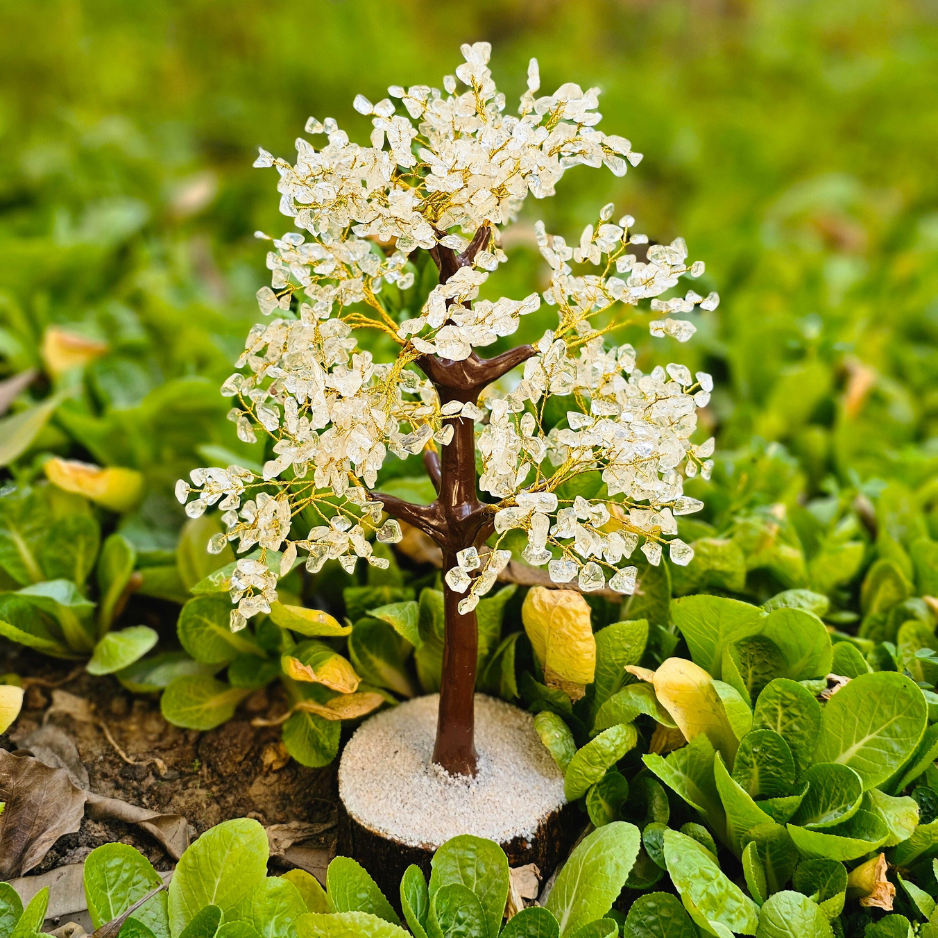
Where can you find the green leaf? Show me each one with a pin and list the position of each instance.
(19, 431)
(900, 815)
(884, 586)
(873, 725)
(617, 646)
(834, 794)
(826, 882)
(62, 600)
(156, 673)
(200, 703)
(719, 565)
(204, 923)
(114, 569)
(857, 836)
(11, 908)
(792, 915)
(590, 763)
(311, 739)
(848, 660)
(625, 705)
(925, 755)
(455, 912)
(313, 895)
(602, 928)
(922, 843)
(481, 867)
(347, 925)
(271, 908)
(351, 889)
(605, 799)
(500, 675)
(70, 548)
(816, 603)
(403, 618)
(593, 876)
(309, 622)
(118, 650)
(33, 915)
(791, 710)
(415, 900)
(764, 765)
(803, 641)
(533, 922)
(235, 930)
(698, 879)
(20, 622)
(709, 623)
(777, 852)
(923, 902)
(658, 915)
(689, 772)
(225, 862)
(751, 663)
(115, 877)
(754, 873)
(380, 655)
(193, 561)
(742, 813)
(556, 736)
(204, 631)
(489, 615)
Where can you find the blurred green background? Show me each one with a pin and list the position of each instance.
(791, 142)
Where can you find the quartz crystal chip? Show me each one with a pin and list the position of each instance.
(468, 604)
(591, 577)
(680, 553)
(468, 559)
(236, 621)
(458, 579)
(182, 491)
(347, 562)
(390, 532)
(288, 559)
(217, 543)
(196, 508)
(652, 551)
(624, 580)
(562, 571)
(535, 556)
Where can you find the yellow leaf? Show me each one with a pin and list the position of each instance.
(311, 622)
(11, 701)
(324, 667)
(63, 350)
(558, 624)
(346, 707)
(686, 691)
(116, 488)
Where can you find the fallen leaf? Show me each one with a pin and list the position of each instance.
(282, 837)
(56, 749)
(868, 883)
(42, 804)
(834, 683)
(558, 624)
(524, 882)
(171, 831)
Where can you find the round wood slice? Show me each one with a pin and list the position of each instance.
(386, 859)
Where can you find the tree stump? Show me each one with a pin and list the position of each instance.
(396, 808)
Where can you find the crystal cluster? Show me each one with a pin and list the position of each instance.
(453, 167)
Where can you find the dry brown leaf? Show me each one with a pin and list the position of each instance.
(282, 837)
(834, 683)
(171, 831)
(869, 884)
(42, 804)
(55, 748)
(523, 884)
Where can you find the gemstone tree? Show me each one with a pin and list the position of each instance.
(443, 179)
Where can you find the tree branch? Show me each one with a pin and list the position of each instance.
(465, 379)
(431, 462)
(423, 517)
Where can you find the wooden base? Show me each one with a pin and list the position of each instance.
(386, 859)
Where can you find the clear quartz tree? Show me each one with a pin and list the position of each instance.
(444, 178)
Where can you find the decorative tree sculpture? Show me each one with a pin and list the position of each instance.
(443, 180)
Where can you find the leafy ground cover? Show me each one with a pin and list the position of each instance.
(797, 654)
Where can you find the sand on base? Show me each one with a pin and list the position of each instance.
(389, 785)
